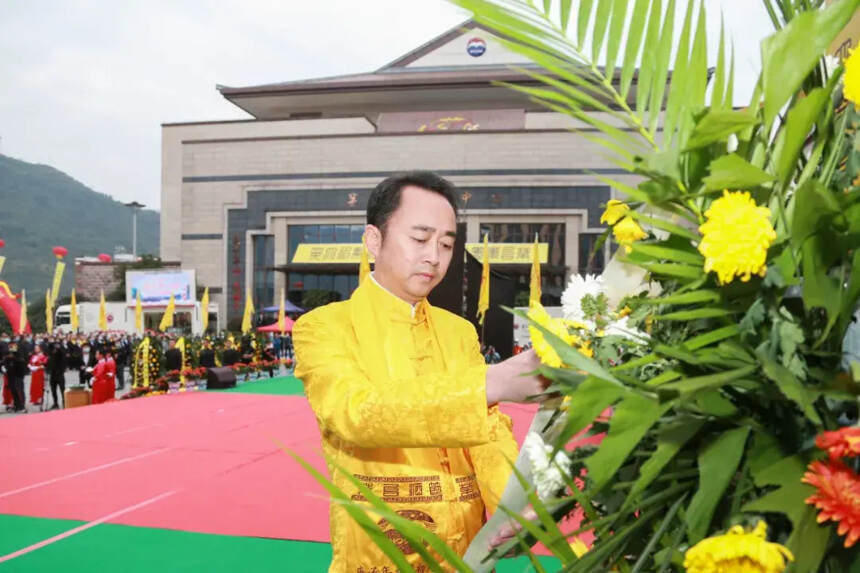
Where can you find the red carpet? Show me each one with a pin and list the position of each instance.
(203, 461)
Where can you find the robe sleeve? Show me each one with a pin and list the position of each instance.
(438, 410)
(492, 461)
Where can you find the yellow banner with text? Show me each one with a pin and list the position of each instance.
(500, 253)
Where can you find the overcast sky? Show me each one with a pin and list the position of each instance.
(86, 84)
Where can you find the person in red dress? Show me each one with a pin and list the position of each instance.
(103, 379)
(111, 370)
(7, 393)
(37, 375)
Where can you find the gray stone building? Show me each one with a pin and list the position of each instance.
(238, 197)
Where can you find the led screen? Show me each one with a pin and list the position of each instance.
(155, 287)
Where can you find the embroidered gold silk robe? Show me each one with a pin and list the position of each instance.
(399, 393)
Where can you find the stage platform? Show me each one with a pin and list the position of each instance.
(186, 482)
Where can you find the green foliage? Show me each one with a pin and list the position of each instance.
(715, 414)
(43, 207)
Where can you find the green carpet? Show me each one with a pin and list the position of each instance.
(109, 547)
(280, 385)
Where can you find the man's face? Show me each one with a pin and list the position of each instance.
(419, 240)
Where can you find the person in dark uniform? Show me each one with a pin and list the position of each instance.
(7, 391)
(57, 372)
(73, 354)
(207, 355)
(15, 367)
(173, 357)
(230, 356)
(87, 364)
(122, 354)
(247, 349)
(270, 356)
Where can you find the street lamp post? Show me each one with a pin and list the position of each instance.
(135, 207)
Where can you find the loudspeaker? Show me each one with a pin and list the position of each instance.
(217, 378)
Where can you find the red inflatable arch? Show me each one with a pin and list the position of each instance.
(10, 307)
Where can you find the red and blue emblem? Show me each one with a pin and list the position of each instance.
(476, 47)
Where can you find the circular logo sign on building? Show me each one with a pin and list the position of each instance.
(476, 47)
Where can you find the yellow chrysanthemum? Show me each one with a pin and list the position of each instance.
(557, 326)
(738, 550)
(628, 231)
(615, 209)
(585, 349)
(851, 91)
(579, 547)
(736, 236)
(576, 324)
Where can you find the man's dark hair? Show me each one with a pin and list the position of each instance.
(385, 198)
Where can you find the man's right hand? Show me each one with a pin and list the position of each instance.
(507, 381)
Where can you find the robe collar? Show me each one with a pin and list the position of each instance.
(376, 348)
(395, 306)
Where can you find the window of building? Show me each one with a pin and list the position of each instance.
(552, 275)
(311, 289)
(264, 275)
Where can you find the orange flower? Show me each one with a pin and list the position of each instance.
(837, 498)
(841, 443)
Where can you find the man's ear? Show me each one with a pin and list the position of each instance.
(373, 240)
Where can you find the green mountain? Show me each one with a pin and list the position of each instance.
(41, 207)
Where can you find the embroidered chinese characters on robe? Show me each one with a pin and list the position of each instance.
(399, 393)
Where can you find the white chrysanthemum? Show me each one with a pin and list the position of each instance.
(620, 328)
(577, 288)
(732, 143)
(831, 63)
(546, 473)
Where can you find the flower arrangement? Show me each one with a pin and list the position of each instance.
(172, 375)
(242, 369)
(194, 373)
(146, 362)
(745, 225)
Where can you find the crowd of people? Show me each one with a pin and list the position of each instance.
(99, 361)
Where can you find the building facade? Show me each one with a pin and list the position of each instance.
(239, 197)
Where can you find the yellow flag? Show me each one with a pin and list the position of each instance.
(73, 312)
(484, 296)
(102, 312)
(534, 283)
(180, 346)
(167, 318)
(282, 324)
(49, 313)
(246, 316)
(22, 322)
(138, 314)
(2, 260)
(204, 309)
(363, 265)
(58, 279)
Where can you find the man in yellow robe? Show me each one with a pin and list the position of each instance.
(402, 395)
